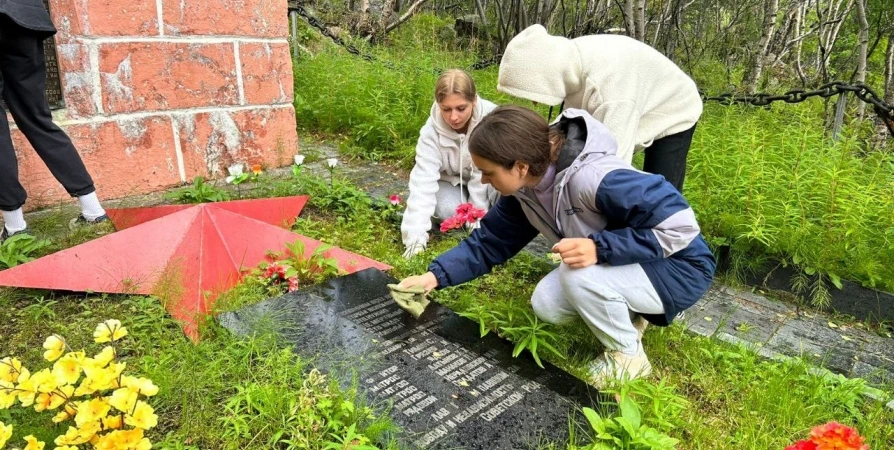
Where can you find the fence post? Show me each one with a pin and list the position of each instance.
(838, 121)
(293, 15)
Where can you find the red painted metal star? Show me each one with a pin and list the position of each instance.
(185, 254)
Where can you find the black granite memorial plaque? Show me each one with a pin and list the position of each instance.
(446, 386)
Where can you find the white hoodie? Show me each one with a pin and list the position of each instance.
(637, 92)
(441, 154)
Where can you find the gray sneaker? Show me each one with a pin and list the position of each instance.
(5, 234)
(81, 221)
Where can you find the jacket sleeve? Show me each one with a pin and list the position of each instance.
(423, 189)
(622, 120)
(648, 219)
(503, 233)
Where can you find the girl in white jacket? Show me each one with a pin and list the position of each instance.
(444, 176)
(643, 98)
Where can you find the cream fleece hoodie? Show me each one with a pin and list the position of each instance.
(637, 92)
(441, 154)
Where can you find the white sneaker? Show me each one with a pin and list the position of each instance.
(618, 366)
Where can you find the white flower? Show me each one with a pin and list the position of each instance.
(235, 171)
(299, 159)
(332, 162)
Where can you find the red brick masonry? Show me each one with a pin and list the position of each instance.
(160, 91)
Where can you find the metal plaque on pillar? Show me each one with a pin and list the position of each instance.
(54, 81)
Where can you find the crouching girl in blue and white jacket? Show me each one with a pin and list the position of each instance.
(628, 240)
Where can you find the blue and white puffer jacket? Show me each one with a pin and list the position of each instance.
(632, 216)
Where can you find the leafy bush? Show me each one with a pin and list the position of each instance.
(18, 249)
(770, 183)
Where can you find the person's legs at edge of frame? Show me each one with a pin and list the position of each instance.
(23, 72)
(667, 157)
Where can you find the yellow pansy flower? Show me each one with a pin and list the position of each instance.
(60, 396)
(119, 439)
(11, 369)
(33, 443)
(91, 411)
(55, 346)
(143, 416)
(5, 434)
(104, 357)
(124, 400)
(61, 416)
(113, 422)
(42, 381)
(142, 385)
(110, 330)
(67, 370)
(8, 394)
(66, 447)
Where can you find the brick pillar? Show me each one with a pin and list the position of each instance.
(160, 91)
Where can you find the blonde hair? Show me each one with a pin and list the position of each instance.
(455, 81)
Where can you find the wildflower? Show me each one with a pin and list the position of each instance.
(802, 445)
(113, 422)
(124, 400)
(332, 162)
(110, 330)
(235, 171)
(92, 411)
(293, 284)
(256, 169)
(10, 369)
(53, 400)
(299, 159)
(75, 436)
(68, 369)
(5, 434)
(8, 395)
(104, 357)
(120, 439)
(55, 346)
(395, 199)
(835, 436)
(141, 385)
(33, 443)
(143, 416)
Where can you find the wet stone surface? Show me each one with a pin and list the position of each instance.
(443, 385)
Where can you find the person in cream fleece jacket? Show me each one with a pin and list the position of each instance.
(643, 98)
(444, 176)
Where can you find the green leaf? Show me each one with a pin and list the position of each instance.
(836, 280)
(630, 411)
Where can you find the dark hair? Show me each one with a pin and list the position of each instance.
(510, 134)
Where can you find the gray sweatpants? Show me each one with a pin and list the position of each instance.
(603, 296)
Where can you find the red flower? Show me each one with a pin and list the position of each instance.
(293, 284)
(465, 214)
(835, 436)
(802, 445)
(395, 199)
